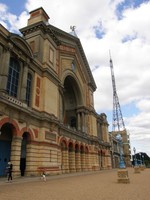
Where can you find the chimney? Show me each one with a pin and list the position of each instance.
(38, 15)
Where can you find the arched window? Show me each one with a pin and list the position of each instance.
(28, 91)
(13, 77)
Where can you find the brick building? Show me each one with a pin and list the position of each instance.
(47, 116)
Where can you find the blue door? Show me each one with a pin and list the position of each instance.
(5, 147)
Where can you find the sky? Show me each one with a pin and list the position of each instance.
(119, 26)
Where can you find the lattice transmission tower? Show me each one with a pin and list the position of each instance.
(117, 121)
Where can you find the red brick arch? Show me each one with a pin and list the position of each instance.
(70, 142)
(28, 130)
(15, 127)
(63, 139)
(86, 149)
(77, 147)
(82, 146)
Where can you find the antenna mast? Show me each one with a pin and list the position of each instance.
(117, 122)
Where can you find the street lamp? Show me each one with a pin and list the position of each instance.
(140, 158)
(135, 161)
(136, 167)
(143, 159)
(121, 163)
(123, 176)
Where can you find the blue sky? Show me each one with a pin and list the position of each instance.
(103, 25)
(14, 6)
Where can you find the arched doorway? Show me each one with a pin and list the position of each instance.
(25, 139)
(6, 133)
(72, 99)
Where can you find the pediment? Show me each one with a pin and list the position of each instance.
(22, 44)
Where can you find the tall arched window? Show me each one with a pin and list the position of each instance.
(28, 91)
(13, 77)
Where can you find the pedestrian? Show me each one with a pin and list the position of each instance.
(43, 176)
(9, 172)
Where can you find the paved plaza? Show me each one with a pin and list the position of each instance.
(100, 185)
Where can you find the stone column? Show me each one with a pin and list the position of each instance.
(5, 69)
(24, 83)
(99, 130)
(86, 162)
(15, 154)
(83, 161)
(32, 161)
(108, 157)
(86, 123)
(65, 164)
(66, 161)
(99, 157)
(79, 121)
(1, 58)
(102, 161)
(28, 159)
(90, 163)
(103, 133)
(78, 161)
(105, 160)
(72, 161)
(62, 160)
(83, 122)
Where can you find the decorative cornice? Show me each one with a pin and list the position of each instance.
(43, 27)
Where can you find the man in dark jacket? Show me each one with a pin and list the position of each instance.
(9, 171)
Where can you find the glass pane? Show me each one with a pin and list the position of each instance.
(13, 77)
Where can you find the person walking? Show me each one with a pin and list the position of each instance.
(43, 176)
(9, 172)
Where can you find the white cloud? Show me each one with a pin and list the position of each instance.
(11, 21)
(3, 11)
(127, 38)
(144, 105)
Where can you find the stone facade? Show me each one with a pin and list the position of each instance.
(47, 116)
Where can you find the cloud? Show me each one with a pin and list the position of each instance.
(11, 21)
(3, 11)
(144, 105)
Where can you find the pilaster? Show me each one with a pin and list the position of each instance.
(24, 82)
(72, 161)
(78, 161)
(5, 68)
(15, 154)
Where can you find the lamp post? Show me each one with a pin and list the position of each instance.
(135, 161)
(143, 164)
(136, 167)
(122, 172)
(121, 163)
(143, 159)
(140, 159)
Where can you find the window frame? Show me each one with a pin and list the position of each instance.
(29, 94)
(13, 80)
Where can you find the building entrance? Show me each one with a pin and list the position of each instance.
(5, 147)
(4, 156)
(23, 154)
